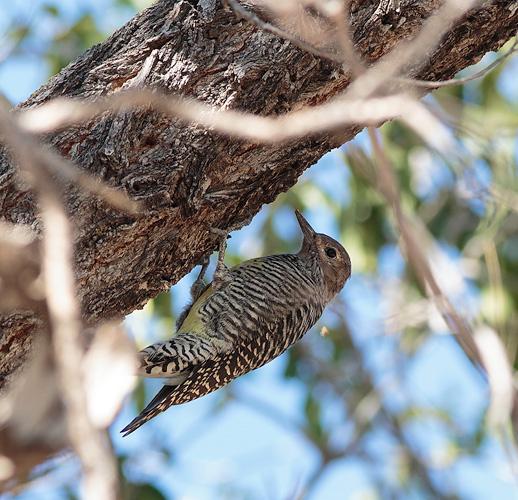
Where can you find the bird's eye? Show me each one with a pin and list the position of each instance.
(331, 252)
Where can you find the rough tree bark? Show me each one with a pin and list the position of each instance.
(188, 178)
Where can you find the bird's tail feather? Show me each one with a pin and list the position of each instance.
(150, 411)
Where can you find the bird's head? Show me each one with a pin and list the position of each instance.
(326, 254)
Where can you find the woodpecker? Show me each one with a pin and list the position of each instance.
(246, 317)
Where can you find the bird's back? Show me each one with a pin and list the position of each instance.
(259, 292)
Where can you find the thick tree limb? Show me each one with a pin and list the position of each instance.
(189, 179)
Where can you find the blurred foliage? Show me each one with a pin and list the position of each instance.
(468, 205)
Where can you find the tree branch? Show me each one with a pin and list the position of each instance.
(187, 179)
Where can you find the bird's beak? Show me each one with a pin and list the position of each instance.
(308, 232)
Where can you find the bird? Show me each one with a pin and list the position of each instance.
(246, 317)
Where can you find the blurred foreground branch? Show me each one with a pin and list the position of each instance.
(486, 351)
(63, 317)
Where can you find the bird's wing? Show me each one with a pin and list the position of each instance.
(193, 344)
(179, 355)
(209, 375)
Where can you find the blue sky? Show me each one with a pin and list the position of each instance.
(243, 448)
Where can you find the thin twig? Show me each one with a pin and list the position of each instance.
(500, 375)
(339, 14)
(461, 81)
(348, 56)
(270, 28)
(338, 112)
(387, 186)
(395, 423)
(410, 55)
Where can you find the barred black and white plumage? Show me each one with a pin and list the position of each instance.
(244, 320)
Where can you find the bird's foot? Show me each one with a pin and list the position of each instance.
(199, 284)
(221, 274)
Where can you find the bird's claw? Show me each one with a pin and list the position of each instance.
(221, 277)
(221, 274)
(219, 232)
(199, 284)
